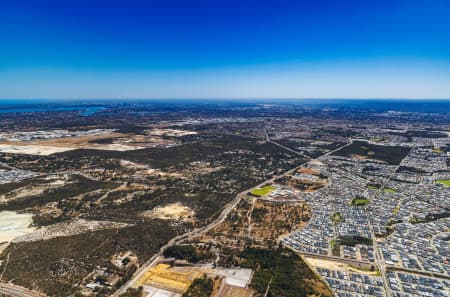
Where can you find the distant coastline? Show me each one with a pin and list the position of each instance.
(88, 107)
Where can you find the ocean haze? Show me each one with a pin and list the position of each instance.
(91, 106)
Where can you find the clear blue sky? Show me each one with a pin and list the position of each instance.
(224, 49)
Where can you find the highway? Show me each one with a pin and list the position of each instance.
(282, 146)
(17, 291)
(196, 232)
(199, 231)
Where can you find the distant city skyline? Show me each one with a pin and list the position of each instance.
(224, 49)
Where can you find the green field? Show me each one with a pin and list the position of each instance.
(262, 191)
(332, 243)
(373, 187)
(337, 217)
(389, 190)
(445, 182)
(396, 210)
(358, 201)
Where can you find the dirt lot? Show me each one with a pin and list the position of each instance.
(40, 150)
(225, 290)
(173, 211)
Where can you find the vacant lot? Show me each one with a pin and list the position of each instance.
(39, 150)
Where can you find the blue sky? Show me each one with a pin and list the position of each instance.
(224, 49)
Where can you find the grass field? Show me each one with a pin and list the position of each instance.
(332, 243)
(358, 201)
(337, 217)
(389, 190)
(445, 182)
(396, 210)
(263, 191)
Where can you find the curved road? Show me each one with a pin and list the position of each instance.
(199, 231)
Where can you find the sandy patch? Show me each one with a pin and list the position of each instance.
(157, 172)
(114, 147)
(39, 150)
(170, 132)
(322, 263)
(29, 191)
(333, 265)
(68, 229)
(173, 211)
(358, 157)
(14, 224)
(308, 171)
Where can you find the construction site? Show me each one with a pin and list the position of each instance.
(173, 279)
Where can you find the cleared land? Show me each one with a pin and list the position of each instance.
(40, 150)
(173, 211)
(13, 224)
(333, 265)
(75, 227)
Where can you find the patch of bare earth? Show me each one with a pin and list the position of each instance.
(173, 211)
(70, 228)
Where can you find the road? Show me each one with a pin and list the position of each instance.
(17, 291)
(282, 146)
(197, 232)
(7, 166)
(419, 272)
(378, 254)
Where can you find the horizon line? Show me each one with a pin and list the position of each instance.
(227, 98)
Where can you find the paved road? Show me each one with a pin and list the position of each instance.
(196, 232)
(17, 291)
(418, 272)
(378, 254)
(282, 146)
(199, 231)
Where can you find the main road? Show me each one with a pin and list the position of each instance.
(17, 291)
(199, 231)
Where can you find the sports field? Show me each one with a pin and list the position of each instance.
(263, 191)
(358, 201)
(445, 182)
